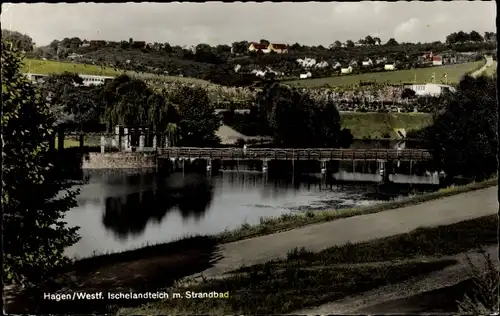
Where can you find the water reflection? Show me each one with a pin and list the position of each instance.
(128, 215)
(118, 210)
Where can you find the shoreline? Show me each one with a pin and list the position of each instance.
(202, 256)
(293, 220)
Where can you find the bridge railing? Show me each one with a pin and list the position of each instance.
(299, 154)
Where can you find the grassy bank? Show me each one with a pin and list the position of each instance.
(423, 75)
(39, 66)
(382, 125)
(285, 222)
(307, 279)
(148, 268)
(492, 70)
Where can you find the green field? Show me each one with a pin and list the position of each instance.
(382, 125)
(38, 66)
(454, 72)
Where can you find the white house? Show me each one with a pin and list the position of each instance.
(254, 47)
(258, 73)
(390, 67)
(237, 68)
(306, 75)
(437, 61)
(430, 89)
(88, 80)
(36, 77)
(322, 64)
(345, 71)
(74, 56)
(367, 63)
(336, 65)
(306, 62)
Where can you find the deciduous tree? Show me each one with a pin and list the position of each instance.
(198, 122)
(464, 134)
(35, 234)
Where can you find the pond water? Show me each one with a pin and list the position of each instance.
(122, 210)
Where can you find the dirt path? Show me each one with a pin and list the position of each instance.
(489, 63)
(356, 229)
(399, 298)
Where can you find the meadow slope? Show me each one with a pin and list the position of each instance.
(423, 75)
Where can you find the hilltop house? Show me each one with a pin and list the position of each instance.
(85, 43)
(427, 56)
(367, 63)
(254, 47)
(346, 71)
(266, 49)
(74, 56)
(278, 48)
(322, 64)
(305, 76)
(306, 62)
(390, 66)
(430, 89)
(258, 73)
(437, 61)
(380, 61)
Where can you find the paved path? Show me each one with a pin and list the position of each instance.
(356, 229)
(489, 63)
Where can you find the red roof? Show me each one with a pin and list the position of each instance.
(259, 46)
(280, 46)
(436, 58)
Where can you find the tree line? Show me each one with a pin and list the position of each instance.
(218, 63)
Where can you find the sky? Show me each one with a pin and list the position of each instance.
(309, 23)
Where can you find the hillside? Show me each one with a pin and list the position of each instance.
(39, 66)
(423, 75)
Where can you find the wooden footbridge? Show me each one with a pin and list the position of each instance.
(321, 154)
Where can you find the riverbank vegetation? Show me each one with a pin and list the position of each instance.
(306, 279)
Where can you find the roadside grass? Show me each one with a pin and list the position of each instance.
(444, 240)
(39, 66)
(382, 125)
(484, 299)
(492, 70)
(454, 72)
(270, 225)
(307, 279)
(278, 291)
